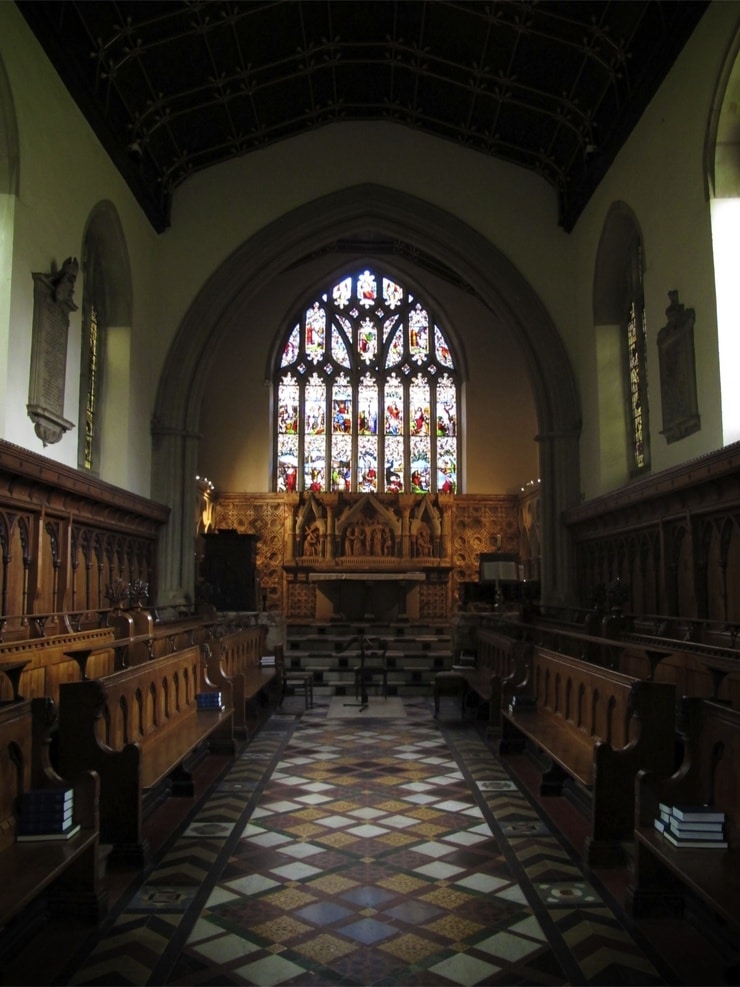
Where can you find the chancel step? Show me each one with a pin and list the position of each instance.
(414, 653)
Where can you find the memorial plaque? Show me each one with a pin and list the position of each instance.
(678, 372)
(52, 303)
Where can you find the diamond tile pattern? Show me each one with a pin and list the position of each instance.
(362, 852)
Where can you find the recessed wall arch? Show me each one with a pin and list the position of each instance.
(105, 366)
(366, 211)
(611, 286)
(617, 286)
(104, 237)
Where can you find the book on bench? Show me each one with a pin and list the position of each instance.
(700, 843)
(697, 813)
(209, 700)
(695, 826)
(65, 834)
(46, 814)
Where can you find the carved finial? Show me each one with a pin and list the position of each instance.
(675, 307)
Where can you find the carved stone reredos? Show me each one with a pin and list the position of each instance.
(369, 508)
(311, 510)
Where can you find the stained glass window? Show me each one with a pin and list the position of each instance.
(367, 393)
(91, 398)
(636, 340)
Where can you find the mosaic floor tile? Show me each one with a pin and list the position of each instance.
(367, 859)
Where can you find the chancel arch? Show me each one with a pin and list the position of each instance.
(363, 213)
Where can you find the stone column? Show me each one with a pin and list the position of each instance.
(289, 524)
(174, 467)
(405, 502)
(330, 502)
(560, 481)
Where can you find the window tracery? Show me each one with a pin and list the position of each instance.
(367, 394)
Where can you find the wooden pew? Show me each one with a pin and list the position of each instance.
(237, 651)
(25, 626)
(62, 875)
(664, 876)
(137, 728)
(598, 728)
(49, 661)
(500, 663)
(696, 669)
(153, 637)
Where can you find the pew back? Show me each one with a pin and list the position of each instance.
(599, 728)
(664, 875)
(136, 728)
(69, 871)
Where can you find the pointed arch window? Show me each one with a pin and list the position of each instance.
(91, 366)
(636, 347)
(367, 393)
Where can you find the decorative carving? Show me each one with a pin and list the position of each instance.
(53, 303)
(678, 372)
(117, 592)
(389, 537)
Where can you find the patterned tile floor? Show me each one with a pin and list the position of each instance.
(366, 851)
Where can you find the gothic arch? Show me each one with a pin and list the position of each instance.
(108, 294)
(364, 211)
(722, 145)
(617, 284)
(610, 288)
(105, 239)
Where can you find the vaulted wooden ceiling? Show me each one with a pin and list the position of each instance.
(175, 86)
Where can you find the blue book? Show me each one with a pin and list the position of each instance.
(53, 817)
(47, 796)
(698, 813)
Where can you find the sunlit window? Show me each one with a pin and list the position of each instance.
(367, 394)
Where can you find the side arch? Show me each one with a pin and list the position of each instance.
(364, 211)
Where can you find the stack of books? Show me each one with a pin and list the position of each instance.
(209, 700)
(267, 661)
(520, 704)
(697, 826)
(46, 814)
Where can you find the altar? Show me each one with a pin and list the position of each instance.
(372, 596)
(361, 557)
